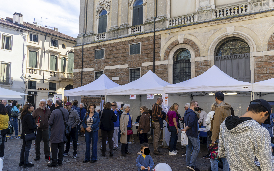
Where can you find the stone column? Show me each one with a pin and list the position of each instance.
(114, 13)
(82, 16)
(162, 6)
(90, 16)
(150, 9)
(124, 12)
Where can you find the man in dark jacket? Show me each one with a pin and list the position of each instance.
(107, 128)
(57, 121)
(73, 122)
(191, 123)
(50, 105)
(156, 118)
(41, 115)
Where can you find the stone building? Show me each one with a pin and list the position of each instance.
(191, 35)
(35, 60)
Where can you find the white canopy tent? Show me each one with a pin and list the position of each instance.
(212, 80)
(10, 94)
(264, 86)
(97, 87)
(149, 83)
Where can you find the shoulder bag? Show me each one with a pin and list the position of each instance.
(29, 137)
(67, 129)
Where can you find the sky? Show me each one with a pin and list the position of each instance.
(61, 14)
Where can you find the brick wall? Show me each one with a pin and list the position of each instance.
(271, 43)
(264, 68)
(201, 67)
(118, 54)
(186, 41)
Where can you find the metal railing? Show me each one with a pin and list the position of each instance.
(100, 36)
(136, 29)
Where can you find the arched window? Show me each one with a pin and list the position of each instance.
(102, 26)
(232, 56)
(181, 66)
(137, 18)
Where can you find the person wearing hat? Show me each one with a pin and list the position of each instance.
(222, 111)
(73, 121)
(244, 142)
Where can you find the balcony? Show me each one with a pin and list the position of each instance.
(100, 36)
(33, 70)
(136, 29)
(5, 80)
(219, 13)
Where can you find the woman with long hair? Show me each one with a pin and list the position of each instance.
(4, 124)
(28, 127)
(91, 125)
(144, 125)
(14, 117)
(173, 121)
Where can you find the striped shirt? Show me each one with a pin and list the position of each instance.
(156, 110)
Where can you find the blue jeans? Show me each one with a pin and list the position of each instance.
(94, 136)
(194, 148)
(173, 138)
(14, 123)
(24, 155)
(214, 164)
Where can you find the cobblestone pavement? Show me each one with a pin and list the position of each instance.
(116, 163)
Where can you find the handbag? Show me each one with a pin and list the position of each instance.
(129, 132)
(10, 129)
(213, 149)
(30, 137)
(184, 139)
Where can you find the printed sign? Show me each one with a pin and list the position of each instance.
(132, 97)
(150, 96)
(165, 99)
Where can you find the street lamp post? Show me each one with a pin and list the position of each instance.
(155, 15)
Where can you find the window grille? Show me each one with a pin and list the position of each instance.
(181, 66)
(135, 49)
(98, 74)
(134, 74)
(99, 54)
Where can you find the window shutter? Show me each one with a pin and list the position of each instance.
(70, 62)
(135, 16)
(102, 53)
(65, 64)
(131, 49)
(100, 25)
(11, 42)
(140, 15)
(30, 37)
(32, 59)
(62, 65)
(51, 62)
(138, 48)
(56, 43)
(104, 27)
(56, 63)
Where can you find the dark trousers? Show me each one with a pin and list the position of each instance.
(123, 149)
(107, 135)
(94, 136)
(173, 138)
(209, 134)
(2, 141)
(24, 156)
(143, 138)
(42, 135)
(72, 135)
(128, 137)
(55, 147)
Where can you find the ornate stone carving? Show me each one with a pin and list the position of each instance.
(131, 2)
(204, 5)
(102, 5)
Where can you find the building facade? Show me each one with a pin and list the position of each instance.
(116, 38)
(40, 59)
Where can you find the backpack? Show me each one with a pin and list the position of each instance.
(14, 113)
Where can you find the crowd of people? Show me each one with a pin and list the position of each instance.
(238, 143)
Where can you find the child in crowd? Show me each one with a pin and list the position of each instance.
(144, 160)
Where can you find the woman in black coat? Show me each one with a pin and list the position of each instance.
(28, 127)
(107, 128)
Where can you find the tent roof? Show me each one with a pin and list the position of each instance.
(97, 87)
(264, 86)
(149, 83)
(212, 80)
(10, 94)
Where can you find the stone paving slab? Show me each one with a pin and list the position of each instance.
(115, 163)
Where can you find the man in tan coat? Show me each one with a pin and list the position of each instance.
(222, 111)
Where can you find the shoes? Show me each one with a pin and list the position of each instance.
(59, 164)
(85, 161)
(128, 153)
(74, 156)
(207, 156)
(124, 155)
(111, 154)
(17, 137)
(172, 153)
(104, 155)
(156, 153)
(192, 168)
(47, 157)
(65, 154)
(115, 148)
(93, 161)
(37, 158)
(28, 165)
(139, 153)
(52, 165)
(21, 163)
